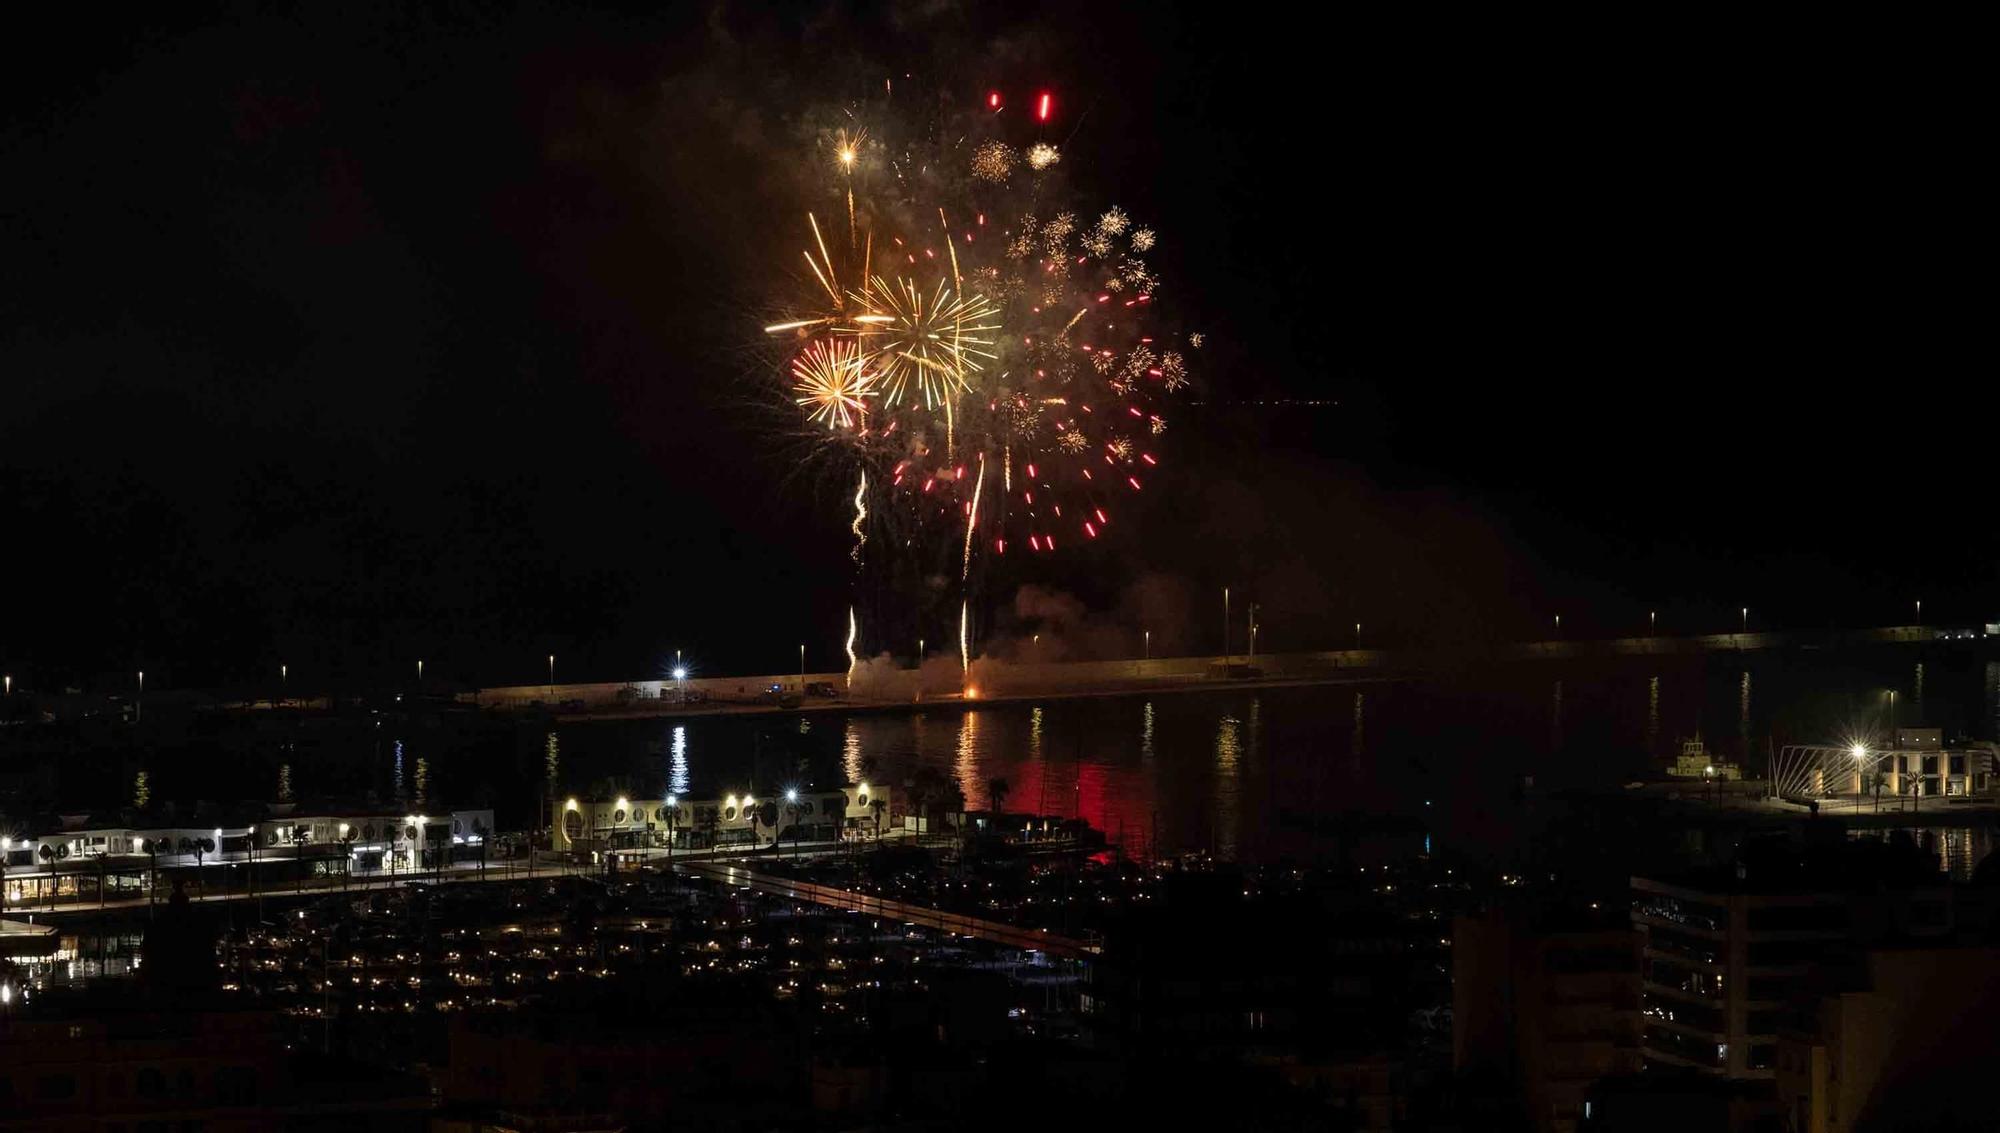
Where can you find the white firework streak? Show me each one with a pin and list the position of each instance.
(964, 651)
(853, 630)
(860, 514)
(972, 520)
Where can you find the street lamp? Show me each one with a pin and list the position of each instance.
(1920, 611)
(552, 672)
(1357, 635)
(1149, 645)
(139, 704)
(420, 670)
(1225, 631)
(1652, 621)
(802, 668)
(1746, 619)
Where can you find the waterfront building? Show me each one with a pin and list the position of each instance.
(76, 859)
(855, 811)
(1921, 763)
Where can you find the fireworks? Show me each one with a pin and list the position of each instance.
(832, 384)
(847, 148)
(933, 341)
(972, 316)
(993, 162)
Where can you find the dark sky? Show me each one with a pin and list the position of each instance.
(344, 337)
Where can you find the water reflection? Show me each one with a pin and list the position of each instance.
(284, 782)
(677, 765)
(1228, 764)
(1360, 728)
(1958, 849)
(1920, 692)
(423, 781)
(396, 771)
(552, 763)
(1743, 719)
(965, 768)
(142, 790)
(1653, 717)
(1258, 778)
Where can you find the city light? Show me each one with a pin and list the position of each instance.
(680, 674)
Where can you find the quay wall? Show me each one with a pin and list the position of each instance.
(881, 682)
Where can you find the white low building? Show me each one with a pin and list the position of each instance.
(857, 810)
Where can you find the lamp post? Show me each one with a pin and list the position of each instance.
(1252, 660)
(1652, 621)
(1225, 631)
(420, 670)
(673, 812)
(792, 809)
(1920, 611)
(802, 668)
(284, 682)
(1746, 619)
(1149, 645)
(552, 673)
(139, 702)
(1357, 635)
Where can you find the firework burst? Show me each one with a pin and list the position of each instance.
(931, 340)
(993, 162)
(973, 318)
(832, 384)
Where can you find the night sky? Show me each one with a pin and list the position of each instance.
(358, 335)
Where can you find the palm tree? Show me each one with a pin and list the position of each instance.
(878, 805)
(996, 794)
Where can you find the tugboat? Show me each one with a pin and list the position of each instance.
(1696, 762)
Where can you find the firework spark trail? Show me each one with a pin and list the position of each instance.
(964, 650)
(826, 279)
(972, 521)
(853, 631)
(860, 516)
